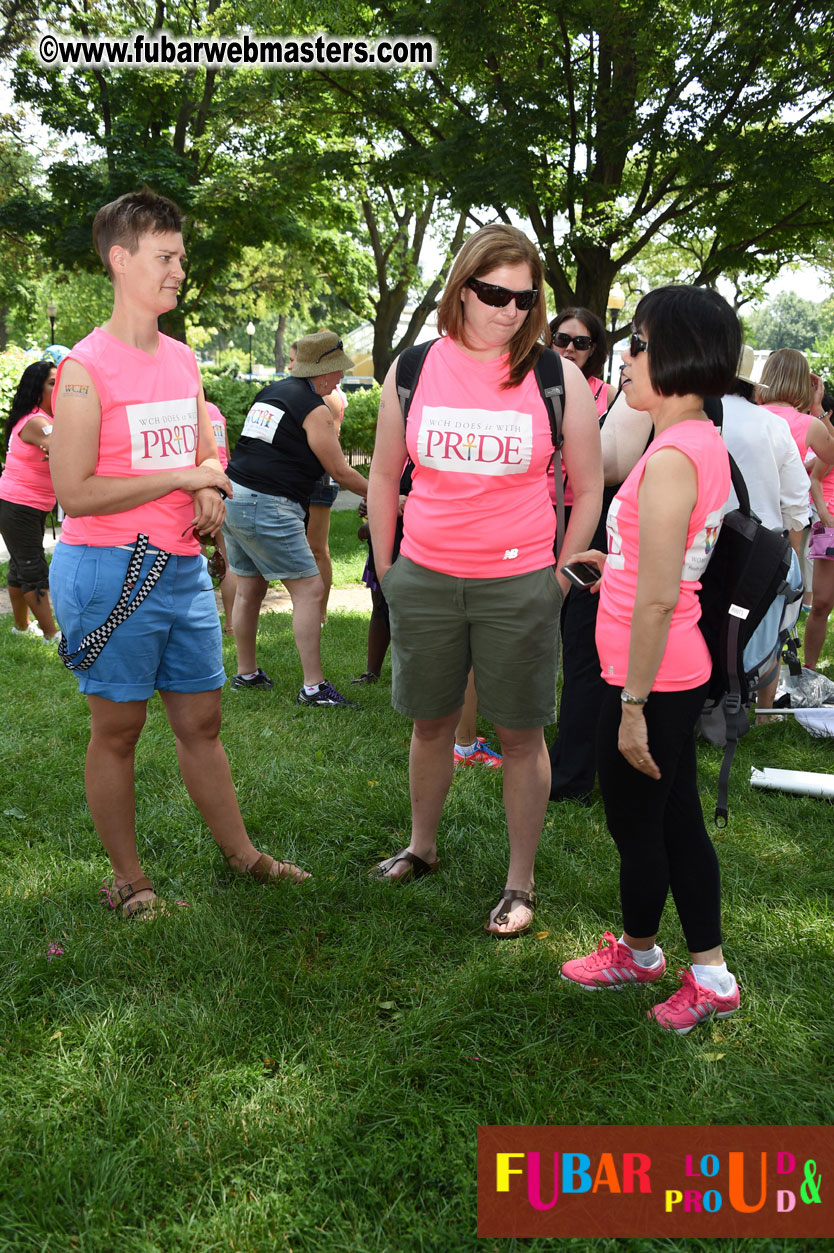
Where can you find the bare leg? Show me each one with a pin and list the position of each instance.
(228, 587)
(467, 729)
(823, 601)
(195, 720)
(526, 793)
(306, 597)
(248, 600)
(379, 633)
(115, 728)
(430, 777)
(20, 610)
(765, 697)
(318, 535)
(38, 602)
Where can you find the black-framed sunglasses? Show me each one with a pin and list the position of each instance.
(499, 297)
(582, 342)
(337, 347)
(636, 344)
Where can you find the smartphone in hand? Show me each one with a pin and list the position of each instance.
(582, 573)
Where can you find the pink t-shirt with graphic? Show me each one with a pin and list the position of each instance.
(479, 506)
(218, 425)
(26, 479)
(148, 424)
(686, 661)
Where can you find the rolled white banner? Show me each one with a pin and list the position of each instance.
(797, 782)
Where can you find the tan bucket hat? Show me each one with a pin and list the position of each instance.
(322, 353)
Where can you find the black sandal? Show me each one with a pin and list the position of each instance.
(418, 867)
(508, 897)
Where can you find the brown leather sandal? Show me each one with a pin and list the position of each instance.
(120, 898)
(418, 867)
(262, 870)
(508, 898)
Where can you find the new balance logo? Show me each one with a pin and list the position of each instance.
(510, 553)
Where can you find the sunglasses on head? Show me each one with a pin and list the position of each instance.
(499, 297)
(337, 347)
(561, 339)
(636, 344)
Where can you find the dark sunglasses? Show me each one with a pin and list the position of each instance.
(636, 344)
(215, 561)
(499, 297)
(337, 347)
(582, 342)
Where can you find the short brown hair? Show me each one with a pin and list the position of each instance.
(125, 220)
(786, 380)
(487, 249)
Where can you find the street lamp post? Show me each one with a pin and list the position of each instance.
(250, 331)
(616, 300)
(51, 312)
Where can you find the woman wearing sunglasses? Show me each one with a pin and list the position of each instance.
(579, 336)
(662, 526)
(474, 584)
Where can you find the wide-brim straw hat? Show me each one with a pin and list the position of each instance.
(322, 353)
(746, 362)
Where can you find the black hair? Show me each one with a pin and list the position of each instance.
(744, 389)
(827, 402)
(596, 329)
(695, 340)
(28, 394)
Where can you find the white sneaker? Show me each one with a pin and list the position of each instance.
(32, 629)
(53, 640)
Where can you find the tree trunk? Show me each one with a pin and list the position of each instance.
(279, 343)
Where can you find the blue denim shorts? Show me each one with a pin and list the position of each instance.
(325, 493)
(265, 536)
(172, 643)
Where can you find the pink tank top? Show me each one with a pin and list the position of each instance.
(478, 507)
(218, 425)
(148, 424)
(26, 479)
(798, 422)
(686, 660)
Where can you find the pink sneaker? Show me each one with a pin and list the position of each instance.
(693, 1003)
(482, 756)
(611, 967)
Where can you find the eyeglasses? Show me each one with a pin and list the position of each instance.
(499, 297)
(636, 345)
(582, 342)
(215, 561)
(337, 347)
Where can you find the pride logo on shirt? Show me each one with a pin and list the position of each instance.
(163, 434)
(475, 441)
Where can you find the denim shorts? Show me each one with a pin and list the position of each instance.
(506, 629)
(325, 493)
(265, 536)
(172, 643)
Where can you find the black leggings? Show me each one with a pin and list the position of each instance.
(658, 825)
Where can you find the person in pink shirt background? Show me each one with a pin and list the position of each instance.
(474, 585)
(662, 526)
(26, 498)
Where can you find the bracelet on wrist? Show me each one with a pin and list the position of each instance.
(629, 699)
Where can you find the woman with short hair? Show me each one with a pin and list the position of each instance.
(474, 584)
(662, 527)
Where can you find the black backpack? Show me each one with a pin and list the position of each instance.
(747, 571)
(551, 383)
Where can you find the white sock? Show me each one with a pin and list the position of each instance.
(649, 957)
(716, 978)
(466, 750)
(311, 689)
(251, 675)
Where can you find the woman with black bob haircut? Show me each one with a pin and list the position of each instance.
(662, 526)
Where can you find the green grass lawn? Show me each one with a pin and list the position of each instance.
(305, 1068)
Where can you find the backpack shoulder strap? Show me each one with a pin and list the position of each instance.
(551, 382)
(409, 364)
